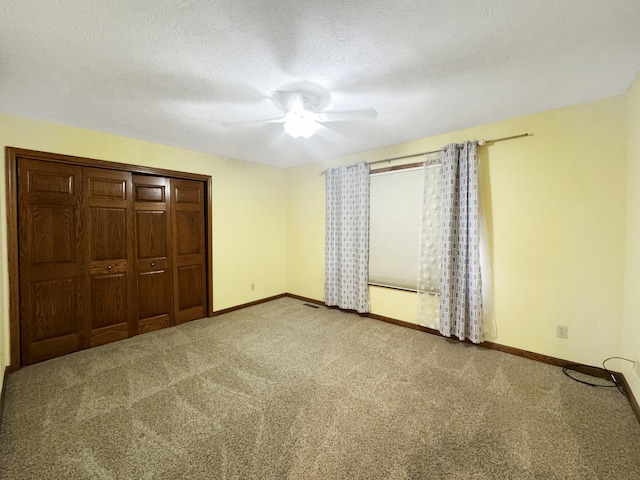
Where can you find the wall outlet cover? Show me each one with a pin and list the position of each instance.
(562, 331)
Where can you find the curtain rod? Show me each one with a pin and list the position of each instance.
(480, 142)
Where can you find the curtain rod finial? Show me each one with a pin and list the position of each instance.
(481, 142)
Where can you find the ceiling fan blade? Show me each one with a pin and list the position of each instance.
(249, 122)
(349, 115)
(330, 133)
(272, 120)
(290, 101)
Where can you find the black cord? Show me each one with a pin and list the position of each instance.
(618, 384)
(574, 368)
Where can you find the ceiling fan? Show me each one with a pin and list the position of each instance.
(303, 114)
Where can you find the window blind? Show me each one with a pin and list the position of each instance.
(395, 221)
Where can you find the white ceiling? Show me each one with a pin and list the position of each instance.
(196, 73)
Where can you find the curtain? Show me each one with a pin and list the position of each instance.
(429, 255)
(465, 306)
(347, 237)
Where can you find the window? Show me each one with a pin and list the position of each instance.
(396, 212)
(395, 217)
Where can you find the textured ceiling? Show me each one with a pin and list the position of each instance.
(197, 74)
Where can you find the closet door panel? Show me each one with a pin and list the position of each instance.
(109, 233)
(51, 259)
(109, 295)
(109, 247)
(54, 325)
(154, 301)
(191, 297)
(109, 314)
(190, 286)
(152, 234)
(153, 261)
(52, 233)
(189, 222)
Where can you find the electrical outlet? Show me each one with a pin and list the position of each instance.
(562, 331)
(253, 286)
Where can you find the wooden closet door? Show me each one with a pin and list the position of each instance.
(51, 259)
(153, 247)
(109, 253)
(189, 255)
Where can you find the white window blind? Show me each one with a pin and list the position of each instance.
(395, 221)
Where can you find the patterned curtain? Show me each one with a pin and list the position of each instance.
(347, 238)
(462, 299)
(428, 314)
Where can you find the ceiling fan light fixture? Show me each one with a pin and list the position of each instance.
(301, 124)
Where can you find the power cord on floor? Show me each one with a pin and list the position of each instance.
(574, 367)
(618, 384)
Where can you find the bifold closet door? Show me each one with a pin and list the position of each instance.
(189, 254)
(153, 259)
(109, 253)
(51, 258)
(104, 254)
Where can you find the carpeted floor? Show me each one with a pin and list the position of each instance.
(285, 391)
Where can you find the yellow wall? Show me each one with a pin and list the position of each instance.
(631, 328)
(556, 211)
(556, 217)
(249, 211)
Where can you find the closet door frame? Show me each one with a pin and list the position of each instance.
(12, 156)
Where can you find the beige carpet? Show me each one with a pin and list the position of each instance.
(282, 390)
